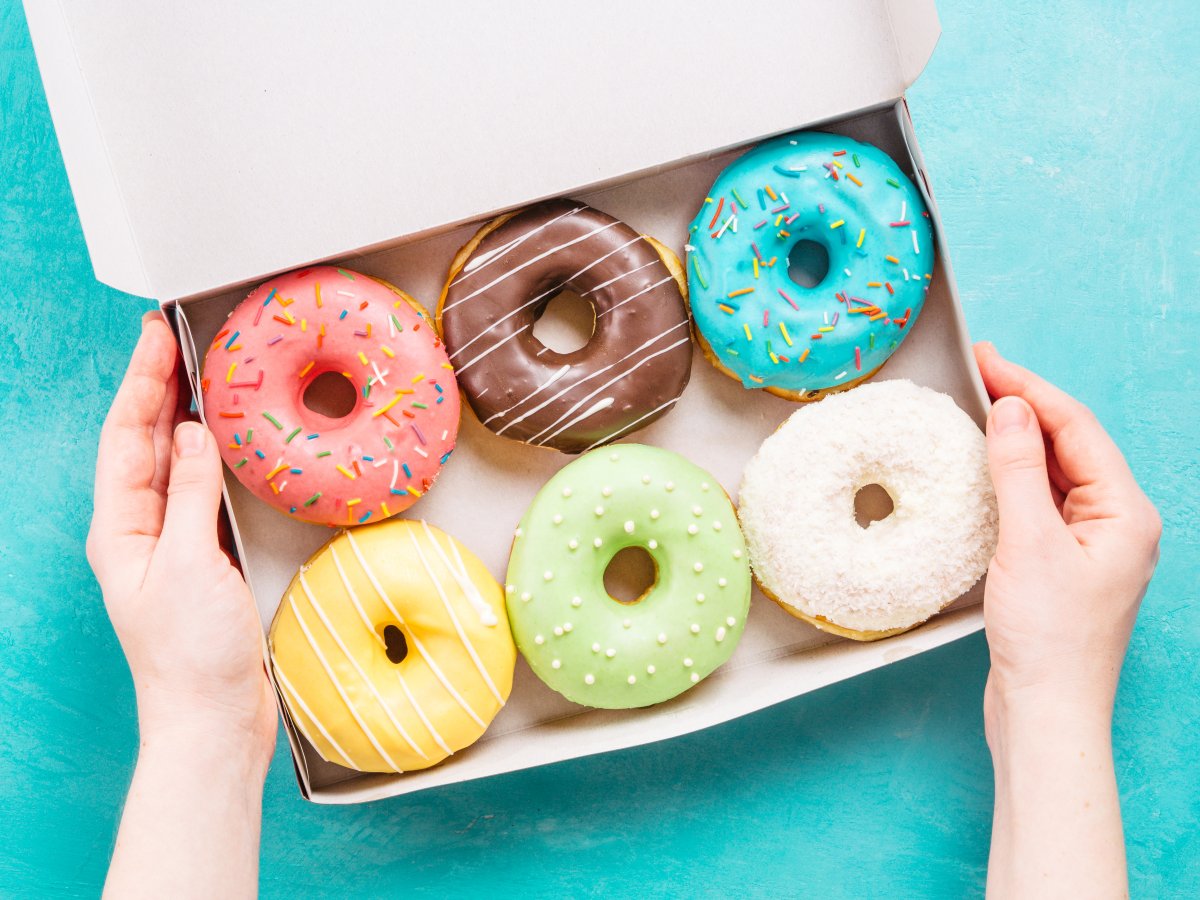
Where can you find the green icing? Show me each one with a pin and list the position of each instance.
(580, 641)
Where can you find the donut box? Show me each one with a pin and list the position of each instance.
(196, 187)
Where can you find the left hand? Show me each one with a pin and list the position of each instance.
(182, 611)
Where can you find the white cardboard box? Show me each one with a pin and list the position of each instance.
(211, 147)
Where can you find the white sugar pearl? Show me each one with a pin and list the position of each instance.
(599, 510)
(628, 623)
(614, 456)
(606, 491)
(737, 554)
(697, 511)
(557, 520)
(721, 582)
(595, 648)
(695, 628)
(704, 486)
(650, 670)
(597, 543)
(610, 652)
(526, 597)
(567, 626)
(538, 639)
(645, 479)
(716, 526)
(687, 662)
(589, 678)
(731, 621)
(662, 637)
(632, 679)
(518, 533)
(692, 529)
(670, 486)
(577, 602)
(654, 514)
(652, 544)
(629, 527)
(699, 598)
(698, 567)
(573, 544)
(508, 589)
(548, 575)
(695, 677)
(720, 634)
(558, 632)
(566, 492)
(556, 664)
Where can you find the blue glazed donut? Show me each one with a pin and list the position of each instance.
(800, 198)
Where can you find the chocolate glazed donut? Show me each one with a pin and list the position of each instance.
(631, 371)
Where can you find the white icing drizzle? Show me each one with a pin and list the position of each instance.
(299, 701)
(366, 729)
(462, 635)
(433, 732)
(596, 407)
(588, 378)
(483, 260)
(544, 294)
(337, 564)
(494, 347)
(617, 278)
(644, 290)
(459, 571)
(337, 639)
(538, 439)
(433, 666)
(495, 281)
(632, 425)
(537, 390)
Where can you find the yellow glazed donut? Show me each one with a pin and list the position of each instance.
(351, 602)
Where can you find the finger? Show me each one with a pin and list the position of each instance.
(1086, 455)
(1017, 460)
(194, 493)
(126, 504)
(164, 429)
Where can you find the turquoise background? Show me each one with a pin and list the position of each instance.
(1063, 143)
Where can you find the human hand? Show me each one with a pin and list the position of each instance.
(181, 610)
(1078, 544)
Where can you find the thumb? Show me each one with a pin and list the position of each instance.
(194, 489)
(1017, 459)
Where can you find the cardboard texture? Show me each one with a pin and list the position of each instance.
(208, 228)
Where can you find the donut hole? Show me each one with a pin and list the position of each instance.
(395, 644)
(565, 323)
(872, 503)
(331, 394)
(808, 263)
(631, 575)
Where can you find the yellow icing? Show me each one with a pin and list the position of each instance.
(354, 705)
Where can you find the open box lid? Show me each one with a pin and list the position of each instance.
(211, 144)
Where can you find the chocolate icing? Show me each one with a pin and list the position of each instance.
(631, 371)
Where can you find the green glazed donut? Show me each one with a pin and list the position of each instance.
(596, 650)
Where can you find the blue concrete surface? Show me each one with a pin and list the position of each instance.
(1063, 146)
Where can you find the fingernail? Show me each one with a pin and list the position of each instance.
(1010, 414)
(987, 346)
(150, 316)
(189, 439)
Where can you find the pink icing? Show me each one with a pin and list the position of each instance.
(374, 462)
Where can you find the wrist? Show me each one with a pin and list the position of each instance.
(208, 735)
(1015, 715)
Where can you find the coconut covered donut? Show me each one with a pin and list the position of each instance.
(807, 550)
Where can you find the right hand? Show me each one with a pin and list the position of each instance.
(1078, 544)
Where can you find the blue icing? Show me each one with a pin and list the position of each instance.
(796, 168)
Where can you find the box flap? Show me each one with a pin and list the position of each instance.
(209, 144)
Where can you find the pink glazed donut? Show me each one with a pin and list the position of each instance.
(365, 466)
